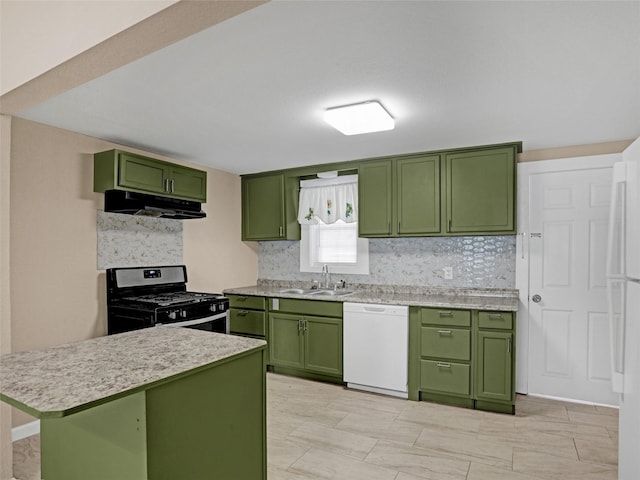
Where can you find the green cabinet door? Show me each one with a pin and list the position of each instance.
(263, 207)
(323, 345)
(143, 173)
(286, 340)
(494, 360)
(480, 188)
(119, 170)
(418, 195)
(188, 182)
(375, 198)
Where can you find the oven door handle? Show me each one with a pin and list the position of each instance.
(197, 321)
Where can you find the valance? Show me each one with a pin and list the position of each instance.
(329, 203)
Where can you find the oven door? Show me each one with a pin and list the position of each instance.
(218, 323)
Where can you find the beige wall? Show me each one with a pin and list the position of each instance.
(27, 28)
(5, 307)
(57, 293)
(574, 151)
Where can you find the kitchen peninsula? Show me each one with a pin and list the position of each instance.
(161, 403)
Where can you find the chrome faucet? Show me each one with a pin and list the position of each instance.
(326, 278)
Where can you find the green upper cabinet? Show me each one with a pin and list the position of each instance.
(480, 191)
(465, 191)
(418, 195)
(188, 182)
(115, 169)
(263, 207)
(375, 199)
(399, 197)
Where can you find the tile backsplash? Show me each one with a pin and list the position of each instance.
(137, 241)
(477, 262)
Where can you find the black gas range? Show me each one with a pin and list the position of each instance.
(143, 297)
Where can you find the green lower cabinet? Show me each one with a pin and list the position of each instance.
(286, 340)
(494, 372)
(306, 345)
(445, 377)
(323, 345)
(248, 317)
(462, 357)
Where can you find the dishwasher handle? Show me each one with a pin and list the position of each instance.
(375, 309)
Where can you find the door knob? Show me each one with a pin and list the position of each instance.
(536, 298)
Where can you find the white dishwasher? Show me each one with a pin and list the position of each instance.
(376, 342)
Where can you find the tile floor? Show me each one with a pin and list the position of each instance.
(323, 431)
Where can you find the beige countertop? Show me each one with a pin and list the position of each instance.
(467, 298)
(61, 380)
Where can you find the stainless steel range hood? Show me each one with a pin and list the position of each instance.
(134, 203)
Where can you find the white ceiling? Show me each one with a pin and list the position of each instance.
(248, 95)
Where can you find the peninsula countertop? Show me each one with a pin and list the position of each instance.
(442, 297)
(61, 380)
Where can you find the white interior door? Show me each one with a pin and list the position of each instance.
(569, 353)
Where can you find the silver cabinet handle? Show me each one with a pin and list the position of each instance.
(443, 365)
(398, 226)
(495, 316)
(444, 332)
(243, 313)
(449, 229)
(508, 345)
(280, 230)
(444, 313)
(172, 185)
(536, 298)
(166, 185)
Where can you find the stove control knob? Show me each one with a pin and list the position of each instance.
(213, 307)
(183, 313)
(173, 315)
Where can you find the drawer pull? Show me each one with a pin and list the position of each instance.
(444, 313)
(243, 313)
(444, 332)
(443, 365)
(495, 316)
(243, 298)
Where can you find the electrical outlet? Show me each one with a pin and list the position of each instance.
(448, 273)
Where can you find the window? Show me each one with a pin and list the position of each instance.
(336, 245)
(328, 215)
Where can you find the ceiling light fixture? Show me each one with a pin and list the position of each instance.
(359, 118)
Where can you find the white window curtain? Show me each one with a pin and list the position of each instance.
(329, 200)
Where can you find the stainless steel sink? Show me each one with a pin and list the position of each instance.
(331, 293)
(321, 292)
(299, 291)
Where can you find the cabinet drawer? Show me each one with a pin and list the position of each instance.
(245, 301)
(446, 316)
(445, 377)
(502, 320)
(306, 307)
(250, 322)
(449, 343)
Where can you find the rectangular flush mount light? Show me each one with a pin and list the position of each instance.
(364, 117)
